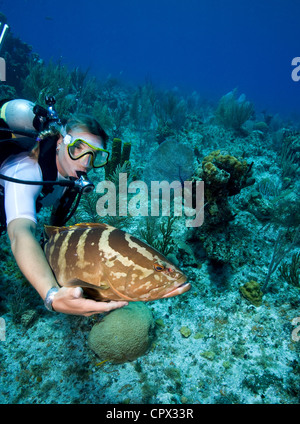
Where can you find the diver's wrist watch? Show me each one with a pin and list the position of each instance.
(49, 298)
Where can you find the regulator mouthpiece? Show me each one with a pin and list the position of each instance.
(83, 184)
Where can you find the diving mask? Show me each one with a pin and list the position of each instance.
(78, 148)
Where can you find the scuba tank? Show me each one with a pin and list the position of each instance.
(19, 116)
(25, 118)
(17, 131)
(20, 123)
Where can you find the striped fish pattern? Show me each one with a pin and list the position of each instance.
(110, 264)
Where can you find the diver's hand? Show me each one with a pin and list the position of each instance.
(71, 301)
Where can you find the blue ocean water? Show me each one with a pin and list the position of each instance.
(208, 46)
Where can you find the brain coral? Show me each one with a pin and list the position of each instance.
(124, 334)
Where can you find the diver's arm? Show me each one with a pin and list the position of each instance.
(30, 256)
(33, 264)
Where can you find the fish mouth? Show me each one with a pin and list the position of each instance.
(182, 288)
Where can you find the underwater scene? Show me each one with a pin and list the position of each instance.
(217, 320)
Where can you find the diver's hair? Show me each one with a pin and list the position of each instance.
(88, 124)
(51, 132)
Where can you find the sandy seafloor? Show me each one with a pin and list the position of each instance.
(237, 353)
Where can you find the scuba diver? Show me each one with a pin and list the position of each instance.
(44, 163)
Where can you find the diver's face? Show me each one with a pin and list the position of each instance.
(68, 167)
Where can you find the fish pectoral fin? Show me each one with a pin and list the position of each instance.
(80, 283)
(104, 286)
(91, 291)
(76, 282)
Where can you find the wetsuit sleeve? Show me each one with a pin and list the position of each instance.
(20, 199)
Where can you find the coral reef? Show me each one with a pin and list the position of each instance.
(171, 110)
(119, 156)
(224, 175)
(73, 91)
(7, 92)
(124, 334)
(161, 239)
(233, 112)
(163, 132)
(290, 157)
(291, 272)
(142, 107)
(225, 247)
(284, 243)
(252, 292)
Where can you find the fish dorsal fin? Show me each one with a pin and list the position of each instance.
(51, 230)
(88, 225)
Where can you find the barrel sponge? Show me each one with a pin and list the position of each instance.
(124, 334)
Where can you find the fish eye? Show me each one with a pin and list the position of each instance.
(159, 267)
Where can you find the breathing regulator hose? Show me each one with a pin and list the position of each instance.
(82, 183)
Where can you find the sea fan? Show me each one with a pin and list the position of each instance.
(172, 161)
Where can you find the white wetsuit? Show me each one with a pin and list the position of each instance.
(20, 199)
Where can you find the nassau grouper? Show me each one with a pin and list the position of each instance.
(110, 264)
